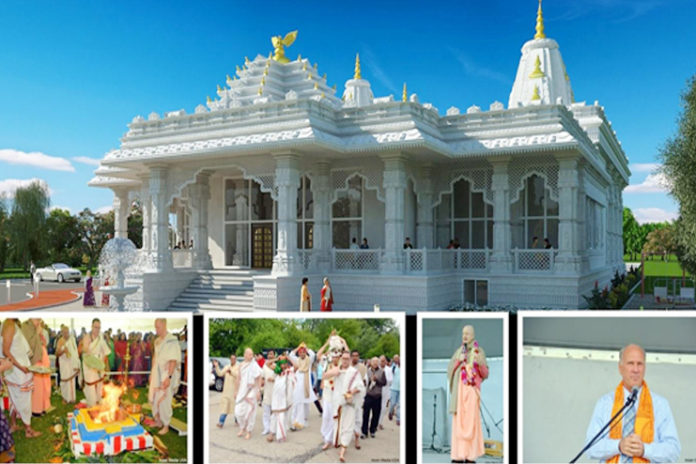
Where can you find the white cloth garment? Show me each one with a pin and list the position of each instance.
(301, 397)
(19, 384)
(281, 404)
(386, 392)
(93, 378)
(160, 398)
(269, 380)
(69, 363)
(245, 408)
(345, 407)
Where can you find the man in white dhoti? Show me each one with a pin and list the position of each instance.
(334, 346)
(348, 385)
(165, 375)
(386, 391)
(94, 352)
(268, 379)
(19, 379)
(302, 359)
(248, 394)
(359, 398)
(281, 399)
(69, 364)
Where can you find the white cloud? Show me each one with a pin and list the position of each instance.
(645, 215)
(103, 209)
(36, 159)
(8, 187)
(644, 167)
(86, 160)
(654, 183)
(475, 69)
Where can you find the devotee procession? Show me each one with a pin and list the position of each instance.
(86, 388)
(321, 400)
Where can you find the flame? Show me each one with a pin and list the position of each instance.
(109, 406)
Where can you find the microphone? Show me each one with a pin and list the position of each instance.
(634, 394)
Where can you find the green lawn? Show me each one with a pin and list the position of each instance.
(51, 445)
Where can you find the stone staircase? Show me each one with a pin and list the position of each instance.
(218, 290)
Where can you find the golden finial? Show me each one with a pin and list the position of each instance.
(357, 74)
(265, 72)
(299, 57)
(304, 66)
(309, 76)
(238, 68)
(228, 78)
(324, 76)
(279, 44)
(263, 81)
(323, 95)
(315, 66)
(260, 92)
(316, 85)
(540, 24)
(334, 87)
(219, 89)
(404, 96)
(208, 99)
(535, 95)
(246, 60)
(537, 69)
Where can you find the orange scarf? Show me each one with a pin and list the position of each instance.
(645, 419)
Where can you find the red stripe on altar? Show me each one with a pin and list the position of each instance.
(87, 448)
(141, 441)
(117, 444)
(129, 444)
(100, 448)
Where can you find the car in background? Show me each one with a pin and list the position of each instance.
(215, 381)
(59, 272)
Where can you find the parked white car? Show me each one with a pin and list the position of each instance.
(59, 272)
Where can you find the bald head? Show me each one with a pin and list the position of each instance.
(248, 354)
(468, 334)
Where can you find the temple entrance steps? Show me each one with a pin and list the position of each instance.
(219, 290)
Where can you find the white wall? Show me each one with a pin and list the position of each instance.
(216, 215)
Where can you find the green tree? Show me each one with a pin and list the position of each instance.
(678, 158)
(660, 240)
(95, 230)
(631, 234)
(27, 222)
(63, 238)
(4, 233)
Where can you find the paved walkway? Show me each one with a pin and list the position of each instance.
(46, 299)
(302, 446)
(649, 302)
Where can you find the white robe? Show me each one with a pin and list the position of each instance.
(69, 368)
(359, 400)
(386, 392)
(19, 384)
(269, 379)
(281, 402)
(245, 409)
(99, 349)
(161, 398)
(301, 402)
(344, 410)
(330, 396)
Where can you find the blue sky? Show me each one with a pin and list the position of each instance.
(74, 74)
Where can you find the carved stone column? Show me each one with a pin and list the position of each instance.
(572, 257)
(121, 212)
(322, 194)
(287, 181)
(159, 215)
(199, 195)
(501, 258)
(145, 206)
(425, 226)
(395, 182)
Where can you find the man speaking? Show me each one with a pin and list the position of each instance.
(646, 431)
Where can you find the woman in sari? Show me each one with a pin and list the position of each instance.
(137, 352)
(7, 447)
(326, 296)
(88, 299)
(120, 346)
(305, 296)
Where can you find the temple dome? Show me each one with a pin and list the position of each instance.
(541, 75)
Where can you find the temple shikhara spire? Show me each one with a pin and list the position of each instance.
(540, 24)
(357, 74)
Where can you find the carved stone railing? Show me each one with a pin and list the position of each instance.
(182, 258)
(534, 260)
(356, 260)
(423, 261)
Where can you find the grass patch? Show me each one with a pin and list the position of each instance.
(51, 445)
(14, 273)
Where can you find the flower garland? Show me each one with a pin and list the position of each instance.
(468, 376)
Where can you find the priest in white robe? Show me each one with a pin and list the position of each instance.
(165, 375)
(349, 386)
(19, 379)
(69, 364)
(94, 352)
(248, 394)
(281, 400)
(302, 359)
(269, 376)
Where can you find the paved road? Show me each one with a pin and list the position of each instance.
(20, 287)
(301, 446)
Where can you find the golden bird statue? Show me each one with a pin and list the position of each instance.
(279, 44)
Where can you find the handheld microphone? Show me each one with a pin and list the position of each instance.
(634, 394)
